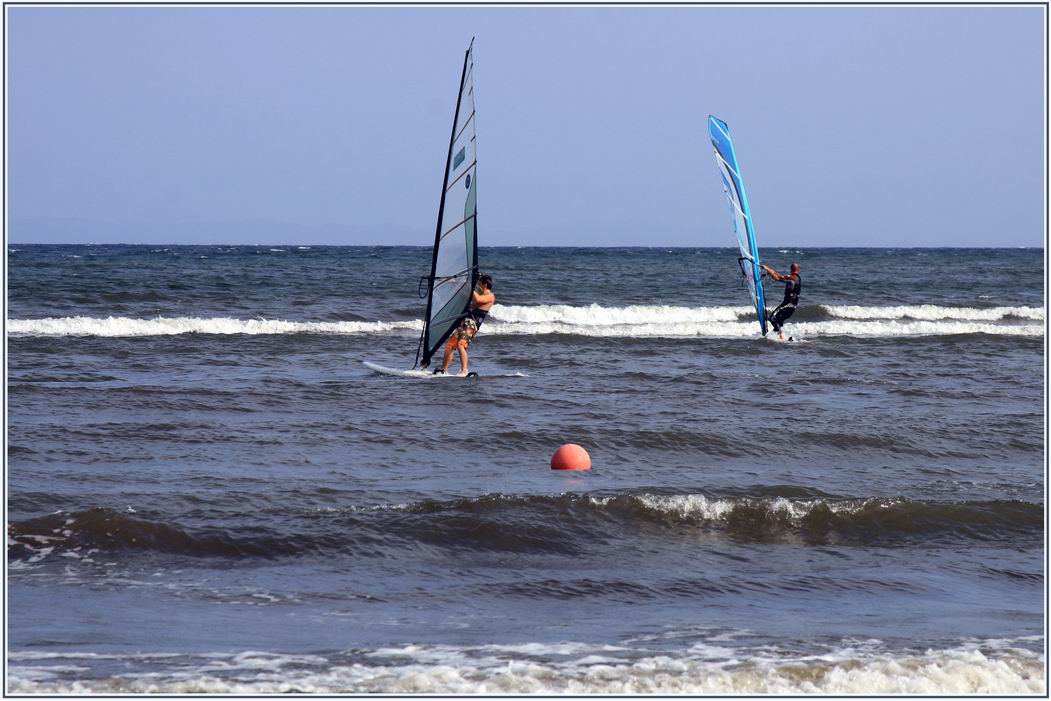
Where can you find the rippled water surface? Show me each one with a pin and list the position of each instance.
(208, 491)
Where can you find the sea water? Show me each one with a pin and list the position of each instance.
(208, 491)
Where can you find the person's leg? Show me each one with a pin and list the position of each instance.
(789, 311)
(775, 320)
(779, 317)
(467, 332)
(447, 358)
(462, 347)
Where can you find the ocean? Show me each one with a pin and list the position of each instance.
(207, 492)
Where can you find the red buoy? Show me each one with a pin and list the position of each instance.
(571, 457)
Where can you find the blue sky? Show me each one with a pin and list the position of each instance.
(854, 126)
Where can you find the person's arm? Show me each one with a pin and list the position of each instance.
(771, 272)
(480, 299)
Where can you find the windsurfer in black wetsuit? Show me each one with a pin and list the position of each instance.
(482, 300)
(793, 286)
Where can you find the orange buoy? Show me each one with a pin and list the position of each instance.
(571, 457)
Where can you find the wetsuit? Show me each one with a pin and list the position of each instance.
(793, 286)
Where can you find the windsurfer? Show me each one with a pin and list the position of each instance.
(482, 300)
(793, 286)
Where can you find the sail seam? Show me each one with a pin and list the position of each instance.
(465, 171)
(728, 166)
(464, 126)
(720, 128)
(457, 226)
(735, 180)
(452, 276)
(733, 201)
(438, 315)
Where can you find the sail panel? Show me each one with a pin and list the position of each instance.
(737, 200)
(454, 264)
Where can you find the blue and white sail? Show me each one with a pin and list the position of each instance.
(454, 263)
(733, 185)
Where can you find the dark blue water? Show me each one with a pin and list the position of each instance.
(209, 492)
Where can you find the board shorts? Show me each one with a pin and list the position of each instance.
(780, 315)
(465, 333)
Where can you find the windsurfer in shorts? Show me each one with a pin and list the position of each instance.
(482, 300)
(793, 286)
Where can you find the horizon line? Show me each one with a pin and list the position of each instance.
(514, 246)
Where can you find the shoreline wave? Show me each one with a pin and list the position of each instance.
(852, 667)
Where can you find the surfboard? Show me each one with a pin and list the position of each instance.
(429, 375)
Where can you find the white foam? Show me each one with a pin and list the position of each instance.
(29, 655)
(698, 506)
(122, 326)
(669, 327)
(893, 329)
(595, 315)
(930, 312)
(636, 321)
(482, 670)
(42, 673)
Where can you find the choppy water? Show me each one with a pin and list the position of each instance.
(209, 492)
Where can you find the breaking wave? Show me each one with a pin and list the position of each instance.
(930, 312)
(564, 524)
(637, 321)
(126, 327)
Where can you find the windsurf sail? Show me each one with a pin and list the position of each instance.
(454, 262)
(733, 186)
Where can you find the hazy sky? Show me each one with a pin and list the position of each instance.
(854, 126)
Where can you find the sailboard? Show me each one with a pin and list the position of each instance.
(428, 375)
(417, 373)
(454, 260)
(733, 186)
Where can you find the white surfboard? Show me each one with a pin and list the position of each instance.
(428, 374)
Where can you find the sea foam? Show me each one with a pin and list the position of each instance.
(564, 669)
